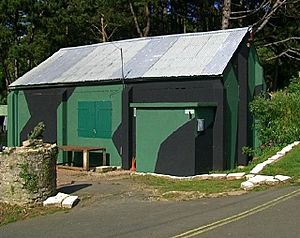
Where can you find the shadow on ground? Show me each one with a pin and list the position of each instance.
(72, 188)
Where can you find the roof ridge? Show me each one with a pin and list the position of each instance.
(157, 37)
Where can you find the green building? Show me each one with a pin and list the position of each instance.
(178, 104)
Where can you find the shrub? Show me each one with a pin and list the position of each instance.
(278, 116)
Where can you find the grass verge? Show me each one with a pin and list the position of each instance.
(205, 186)
(289, 165)
(12, 213)
(187, 189)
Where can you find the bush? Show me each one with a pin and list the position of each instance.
(278, 117)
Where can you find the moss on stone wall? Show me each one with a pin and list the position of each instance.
(28, 174)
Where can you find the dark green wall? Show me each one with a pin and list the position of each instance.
(255, 87)
(58, 109)
(18, 115)
(231, 115)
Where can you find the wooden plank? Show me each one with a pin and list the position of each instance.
(79, 148)
(104, 157)
(85, 160)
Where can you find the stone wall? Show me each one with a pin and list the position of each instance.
(28, 174)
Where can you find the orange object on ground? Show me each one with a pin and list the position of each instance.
(133, 164)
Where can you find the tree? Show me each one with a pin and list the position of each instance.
(32, 30)
(14, 23)
(226, 14)
(146, 13)
(275, 26)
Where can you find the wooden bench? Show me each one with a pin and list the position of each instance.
(85, 150)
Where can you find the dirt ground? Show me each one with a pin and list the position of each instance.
(119, 185)
(93, 187)
(68, 176)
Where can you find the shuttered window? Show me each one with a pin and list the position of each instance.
(94, 119)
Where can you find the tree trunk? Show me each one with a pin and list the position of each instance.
(103, 32)
(226, 14)
(137, 26)
(146, 30)
(16, 68)
(147, 15)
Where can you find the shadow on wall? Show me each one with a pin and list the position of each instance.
(176, 153)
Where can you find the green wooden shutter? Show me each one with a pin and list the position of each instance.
(86, 118)
(103, 123)
(95, 119)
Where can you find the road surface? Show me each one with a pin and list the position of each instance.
(274, 213)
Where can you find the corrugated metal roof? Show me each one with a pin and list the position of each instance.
(182, 55)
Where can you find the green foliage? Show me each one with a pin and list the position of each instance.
(32, 30)
(277, 117)
(294, 86)
(37, 132)
(248, 151)
(30, 179)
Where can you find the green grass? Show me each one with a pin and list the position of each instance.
(256, 160)
(289, 165)
(12, 213)
(261, 158)
(164, 185)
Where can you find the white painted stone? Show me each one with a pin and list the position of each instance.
(255, 180)
(246, 185)
(168, 176)
(104, 169)
(296, 143)
(55, 200)
(248, 176)
(286, 149)
(274, 158)
(267, 162)
(282, 178)
(272, 181)
(218, 176)
(281, 153)
(139, 173)
(260, 179)
(257, 169)
(203, 176)
(69, 201)
(181, 178)
(233, 176)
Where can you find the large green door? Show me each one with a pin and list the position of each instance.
(153, 126)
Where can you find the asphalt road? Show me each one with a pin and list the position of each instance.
(274, 213)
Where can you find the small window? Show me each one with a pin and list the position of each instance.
(94, 119)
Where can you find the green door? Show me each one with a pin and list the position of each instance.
(153, 126)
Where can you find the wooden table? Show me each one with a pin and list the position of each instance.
(85, 150)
